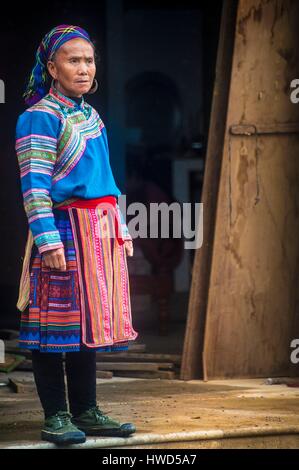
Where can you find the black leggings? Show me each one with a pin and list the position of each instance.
(80, 368)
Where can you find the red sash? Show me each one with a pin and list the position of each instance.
(92, 203)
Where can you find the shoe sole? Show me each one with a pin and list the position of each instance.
(120, 432)
(68, 438)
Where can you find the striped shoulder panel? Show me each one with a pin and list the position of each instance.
(47, 105)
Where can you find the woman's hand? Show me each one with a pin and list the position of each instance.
(129, 247)
(55, 259)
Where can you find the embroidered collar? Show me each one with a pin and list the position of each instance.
(65, 100)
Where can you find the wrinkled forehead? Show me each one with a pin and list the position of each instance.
(76, 47)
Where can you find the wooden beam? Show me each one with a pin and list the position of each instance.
(143, 366)
(192, 367)
(142, 357)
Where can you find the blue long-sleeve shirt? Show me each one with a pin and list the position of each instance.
(62, 150)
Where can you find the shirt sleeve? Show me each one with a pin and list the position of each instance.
(36, 149)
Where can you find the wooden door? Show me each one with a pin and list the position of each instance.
(252, 310)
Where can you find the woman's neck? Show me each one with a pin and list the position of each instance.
(77, 99)
(68, 95)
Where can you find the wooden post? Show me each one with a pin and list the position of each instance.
(193, 345)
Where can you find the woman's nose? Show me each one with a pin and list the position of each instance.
(83, 69)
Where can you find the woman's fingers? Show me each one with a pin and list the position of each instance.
(55, 259)
(129, 247)
(62, 262)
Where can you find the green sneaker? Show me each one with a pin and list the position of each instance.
(94, 423)
(59, 429)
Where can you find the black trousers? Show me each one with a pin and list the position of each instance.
(80, 369)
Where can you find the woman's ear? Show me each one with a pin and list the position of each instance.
(52, 69)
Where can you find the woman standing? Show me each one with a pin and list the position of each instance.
(74, 288)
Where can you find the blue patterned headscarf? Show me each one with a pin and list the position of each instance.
(52, 41)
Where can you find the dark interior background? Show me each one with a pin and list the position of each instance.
(160, 100)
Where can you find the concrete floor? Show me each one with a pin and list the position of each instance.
(171, 414)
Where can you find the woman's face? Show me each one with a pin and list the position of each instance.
(73, 67)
